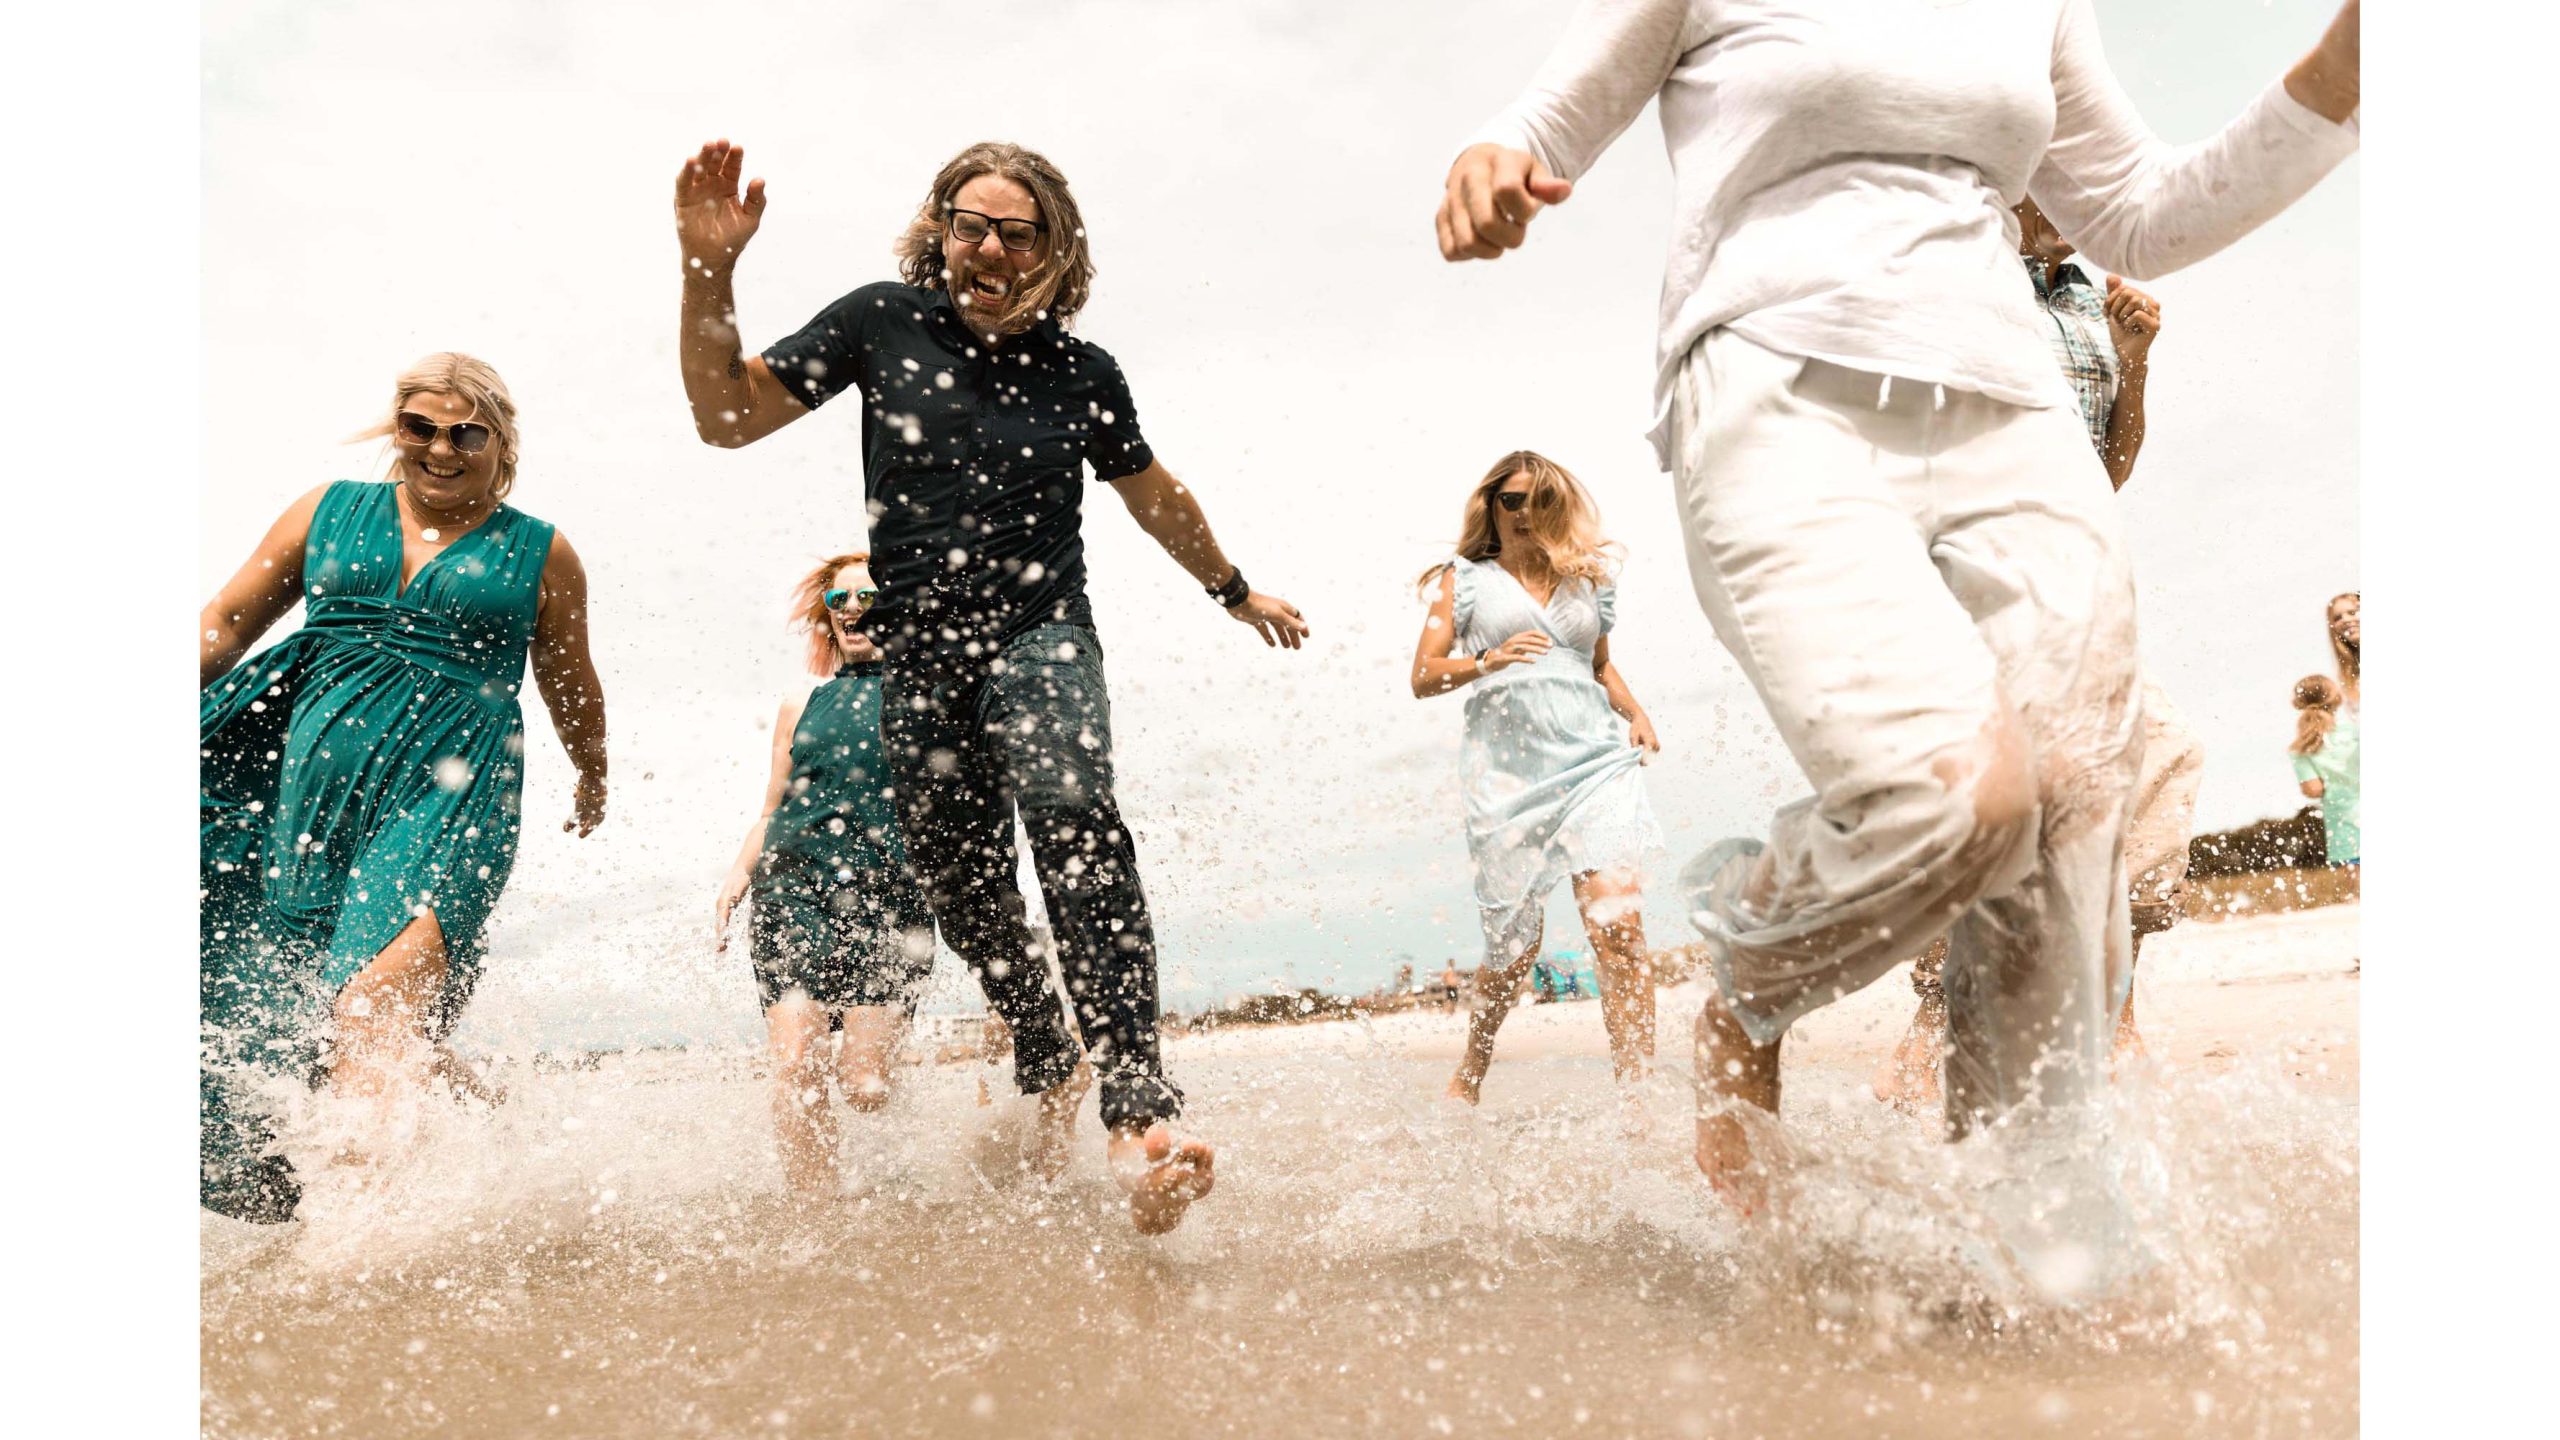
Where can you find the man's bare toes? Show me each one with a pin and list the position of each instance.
(1164, 1177)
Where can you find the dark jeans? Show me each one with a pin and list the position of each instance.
(1027, 726)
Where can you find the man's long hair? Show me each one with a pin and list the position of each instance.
(1062, 280)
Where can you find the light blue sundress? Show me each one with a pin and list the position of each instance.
(1552, 785)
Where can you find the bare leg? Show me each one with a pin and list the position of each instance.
(995, 1047)
(1162, 1173)
(1056, 1133)
(1731, 1069)
(1497, 990)
(1613, 916)
(1909, 1080)
(870, 1046)
(804, 1126)
(379, 1040)
(465, 1082)
(2128, 1042)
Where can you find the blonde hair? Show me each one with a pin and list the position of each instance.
(1062, 280)
(2317, 697)
(450, 372)
(809, 610)
(2350, 662)
(1563, 519)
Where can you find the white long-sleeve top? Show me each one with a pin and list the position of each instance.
(1843, 172)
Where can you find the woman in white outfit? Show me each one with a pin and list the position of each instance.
(1521, 618)
(1894, 518)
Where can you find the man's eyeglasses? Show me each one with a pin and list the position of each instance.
(848, 599)
(970, 228)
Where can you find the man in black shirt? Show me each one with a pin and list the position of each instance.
(980, 413)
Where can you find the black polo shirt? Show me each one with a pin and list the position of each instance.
(973, 455)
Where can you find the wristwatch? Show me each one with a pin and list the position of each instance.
(1234, 592)
(1483, 659)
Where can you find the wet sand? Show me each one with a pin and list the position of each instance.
(609, 1253)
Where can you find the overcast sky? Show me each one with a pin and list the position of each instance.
(382, 181)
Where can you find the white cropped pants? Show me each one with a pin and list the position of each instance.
(1928, 590)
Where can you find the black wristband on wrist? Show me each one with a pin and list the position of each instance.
(1234, 592)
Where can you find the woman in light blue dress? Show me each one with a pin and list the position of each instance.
(1520, 618)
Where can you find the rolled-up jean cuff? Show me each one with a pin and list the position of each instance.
(1133, 1102)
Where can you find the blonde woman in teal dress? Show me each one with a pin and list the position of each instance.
(361, 781)
(1520, 617)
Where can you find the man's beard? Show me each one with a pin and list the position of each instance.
(1002, 318)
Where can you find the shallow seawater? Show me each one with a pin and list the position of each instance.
(609, 1254)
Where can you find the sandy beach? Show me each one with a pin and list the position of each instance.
(609, 1253)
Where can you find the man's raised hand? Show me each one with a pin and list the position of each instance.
(1493, 193)
(714, 219)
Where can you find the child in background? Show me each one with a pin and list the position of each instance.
(2325, 760)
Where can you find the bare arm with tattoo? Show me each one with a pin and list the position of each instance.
(736, 399)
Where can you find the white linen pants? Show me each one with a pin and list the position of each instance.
(1928, 590)
(2164, 814)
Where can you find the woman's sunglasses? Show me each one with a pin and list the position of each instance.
(470, 437)
(1514, 501)
(845, 599)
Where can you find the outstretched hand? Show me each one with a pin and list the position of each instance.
(1274, 619)
(589, 808)
(1493, 192)
(714, 219)
(733, 889)
(1640, 735)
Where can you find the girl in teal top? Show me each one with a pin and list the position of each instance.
(2326, 761)
(361, 782)
(840, 935)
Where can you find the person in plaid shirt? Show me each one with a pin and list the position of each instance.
(2102, 341)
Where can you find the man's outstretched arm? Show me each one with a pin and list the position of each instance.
(735, 398)
(1167, 510)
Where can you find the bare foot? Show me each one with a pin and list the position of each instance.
(1909, 1080)
(1163, 1174)
(1732, 1171)
(1466, 1086)
(1058, 1106)
(2128, 1047)
(1738, 1084)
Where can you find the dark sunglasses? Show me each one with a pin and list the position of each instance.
(1514, 501)
(970, 228)
(842, 599)
(469, 437)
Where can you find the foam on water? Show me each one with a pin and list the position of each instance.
(633, 1214)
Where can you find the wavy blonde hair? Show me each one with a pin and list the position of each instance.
(809, 610)
(2318, 698)
(2350, 662)
(1563, 518)
(450, 372)
(1062, 280)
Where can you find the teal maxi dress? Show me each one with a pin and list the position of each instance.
(365, 771)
